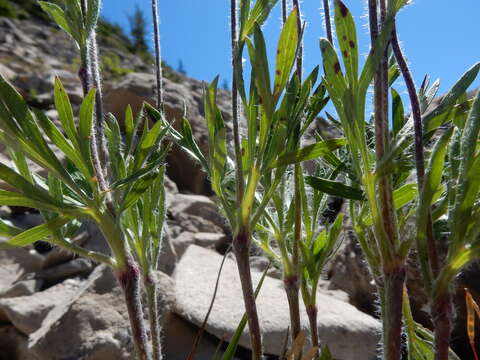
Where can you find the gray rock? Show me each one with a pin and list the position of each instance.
(22, 288)
(8, 275)
(210, 240)
(182, 242)
(192, 204)
(94, 323)
(349, 333)
(168, 256)
(73, 268)
(27, 313)
(27, 259)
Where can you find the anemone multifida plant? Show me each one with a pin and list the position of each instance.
(245, 181)
(381, 161)
(114, 179)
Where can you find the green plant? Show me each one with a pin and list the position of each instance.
(379, 218)
(110, 64)
(246, 184)
(115, 180)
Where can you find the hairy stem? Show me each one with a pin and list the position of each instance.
(419, 147)
(152, 305)
(328, 22)
(241, 246)
(235, 109)
(442, 308)
(393, 274)
(312, 319)
(292, 289)
(441, 313)
(292, 281)
(392, 313)
(158, 57)
(84, 71)
(381, 127)
(128, 278)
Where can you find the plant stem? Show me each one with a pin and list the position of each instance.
(128, 278)
(158, 57)
(99, 152)
(419, 148)
(381, 127)
(241, 247)
(84, 72)
(441, 310)
(394, 280)
(292, 280)
(284, 11)
(441, 313)
(152, 305)
(89, 75)
(292, 289)
(393, 269)
(235, 110)
(328, 23)
(312, 319)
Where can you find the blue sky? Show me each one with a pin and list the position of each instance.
(439, 38)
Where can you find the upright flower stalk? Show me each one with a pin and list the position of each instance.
(243, 233)
(328, 22)
(393, 268)
(441, 307)
(158, 56)
(292, 279)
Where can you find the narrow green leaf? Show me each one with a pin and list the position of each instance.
(309, 152)
(149, 143)
(63, 144)
(334, 188)
(286, 50)
(57, 14)
(347, 38)
(258, 57)
(130, 125)
(453, 94)
(36, 233)
(216, 137)
(257, 16)
(188, 143)
(333, 70)
(21, 164)
(405, 194)
(435, 169)
(20, 183)
(138, 188)
(85, 124)
(10, 198)
(65, 112)
(398, 115)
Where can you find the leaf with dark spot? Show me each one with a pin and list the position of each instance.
(347, 38)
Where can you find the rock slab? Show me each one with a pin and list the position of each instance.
(349, 333)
